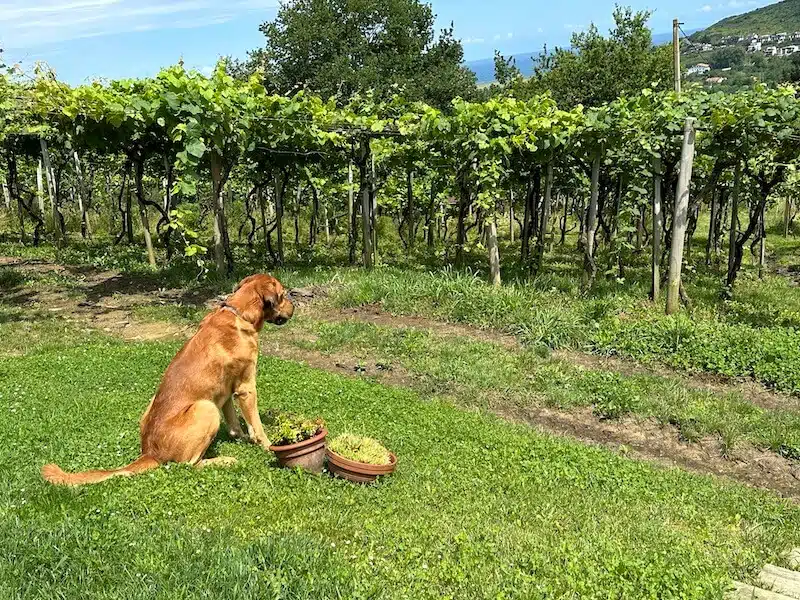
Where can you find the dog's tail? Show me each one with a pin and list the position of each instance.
(55, 475)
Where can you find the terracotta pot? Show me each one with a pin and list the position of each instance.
(359, 472)
(308, 454)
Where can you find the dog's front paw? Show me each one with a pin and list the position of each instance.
(262, 441)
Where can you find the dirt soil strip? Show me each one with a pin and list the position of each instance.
(109, 299)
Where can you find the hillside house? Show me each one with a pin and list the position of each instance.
(698, 69)
(755, 46)
(771, 51)
(716, 80)
(789, 50)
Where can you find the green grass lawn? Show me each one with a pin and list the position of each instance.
(478, 508)
(484, 374)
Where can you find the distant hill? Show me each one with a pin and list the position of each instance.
(659, 39)
(782, 17)
(484, 67)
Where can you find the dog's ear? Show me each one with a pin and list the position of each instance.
(270, 301)
(269, 295)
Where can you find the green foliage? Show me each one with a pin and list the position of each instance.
(181, 219)
(769, 354)
(728, 57)
(596, 69)
(612, 397)
(340, 48)
(360, 449)
(286, 428)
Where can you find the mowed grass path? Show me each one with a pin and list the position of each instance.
(479, 508)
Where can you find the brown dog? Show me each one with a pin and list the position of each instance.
(215, 366)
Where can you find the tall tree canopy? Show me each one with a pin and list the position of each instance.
(596, 69)
(340, 47)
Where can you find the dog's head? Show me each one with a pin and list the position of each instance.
(262, 299)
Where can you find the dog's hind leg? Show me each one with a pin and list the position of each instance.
(192, 432)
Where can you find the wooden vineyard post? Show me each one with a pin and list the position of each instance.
(494, 252)
(217, 203)
(590, 230)
(410, 209)
(40, 187)
(352, 213)
(364, 167)
(86, 230)
(511, 216)
(6, 196)
(787, 216)
(51, 190)
(373, 196)
(658, 228)
(680, 218)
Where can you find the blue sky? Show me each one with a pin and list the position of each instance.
(83, 39)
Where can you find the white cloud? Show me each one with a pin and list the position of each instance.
(18, 11)
(540, 30)
(30, 23)
(743, 3)
(203, 21)
(497, 36)
(705, 8)
(509, 35)
(471, 40)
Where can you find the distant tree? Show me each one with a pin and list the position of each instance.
(506, 72)
(702, 37)
(443, 76)
(758, 60)
(508, 80)
(792, 73)
(340, 47)
(598, 69)
(728, 57)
